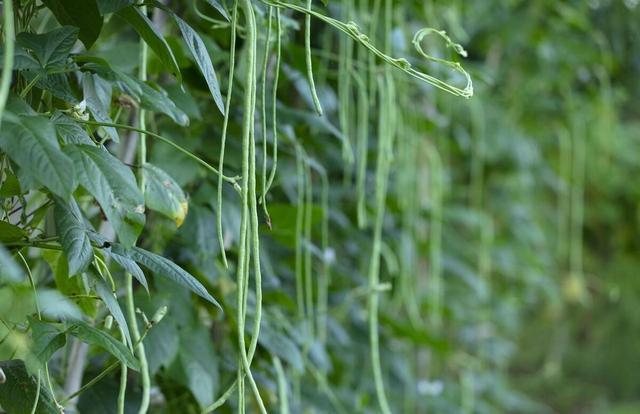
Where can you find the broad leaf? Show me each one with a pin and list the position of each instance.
(152, 37)
(199, 365)
(114, 187)
(31, 142)
(163, 194)
(73, 235)
(201, 56)
(50, 49)
(70, 286)
(9, 269)
(69, 131)
(93, 336)
(18, 392)
(151, 98)
(110, 301)
(10, 186)
(47, 338)
(166, 268)
(97, 95)
(10, 232)
(112, 6)
(83, 14)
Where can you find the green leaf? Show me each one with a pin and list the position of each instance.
(216, 5)
(110, 301)
(69, 131)
(31, 142)
(51, 49)
(93, 336)
(198, 363)
(201, 56)
(70, 286)
(151, 98)
(148, 32)
(97, 95)
(163, 194)
(119, 255)
(9, 269)
(73, 235)
(83, 14)
(114, 187)
(46, 339)
(10, 232)
(18, 392)
(112, 6)
(55, 305)
(166, 268)
(11, 186)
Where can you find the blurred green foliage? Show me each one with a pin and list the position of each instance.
(509, 246)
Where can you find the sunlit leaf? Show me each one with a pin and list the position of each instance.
(164, 195)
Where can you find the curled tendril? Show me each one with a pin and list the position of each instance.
(353, 31)
(417, 43)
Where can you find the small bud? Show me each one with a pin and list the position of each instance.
(157, 317)
(80, 107)
(108, 322)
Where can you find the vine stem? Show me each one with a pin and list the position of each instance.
(9, 41)
(352, 30)
(131, 312)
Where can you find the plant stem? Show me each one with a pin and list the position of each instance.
(7, 66)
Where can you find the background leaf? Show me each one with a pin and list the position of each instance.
(82, 14)
(18, 392)
(152, 37)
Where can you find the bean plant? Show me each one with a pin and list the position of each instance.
(302, 206)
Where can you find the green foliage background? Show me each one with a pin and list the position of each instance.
(508, 248)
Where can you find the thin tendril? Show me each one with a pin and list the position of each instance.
(225, 125)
